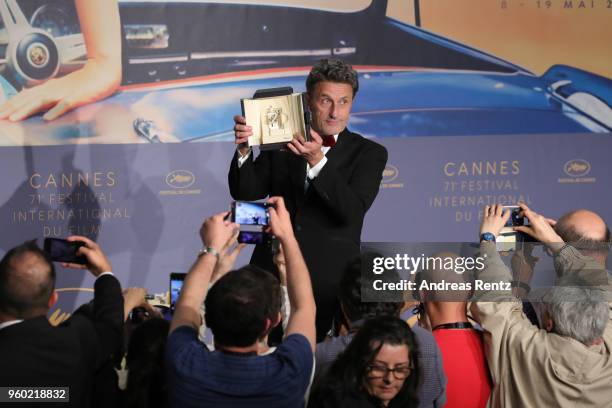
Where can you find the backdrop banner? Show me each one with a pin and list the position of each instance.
(144, 204)
(121, 130)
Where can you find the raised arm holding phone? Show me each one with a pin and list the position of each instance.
(242, 307)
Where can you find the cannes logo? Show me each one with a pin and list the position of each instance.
(180, 179)
(390, 173)
(66, 297)
(577, 168)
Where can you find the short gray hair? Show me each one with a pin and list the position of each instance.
(332, 70)
(578, 312)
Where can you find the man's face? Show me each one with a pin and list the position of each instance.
(330, 104)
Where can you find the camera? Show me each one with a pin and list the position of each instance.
(139, 315)
(515, 219)
(176, 284)
(61, 250)
(508, 239)
(253, 218)
(253, 237)
(250, 213)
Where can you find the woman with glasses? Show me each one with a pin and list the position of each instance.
(377, 369)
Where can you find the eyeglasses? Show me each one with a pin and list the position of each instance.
(381, 371)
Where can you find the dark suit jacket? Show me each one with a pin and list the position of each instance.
(34, 353)
(328, 217)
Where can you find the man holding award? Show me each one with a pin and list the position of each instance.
(329, 179)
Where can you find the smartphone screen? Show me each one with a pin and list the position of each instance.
(515, 219)
(176, 284)
(252, 237)
(61, 250)
(249, 213)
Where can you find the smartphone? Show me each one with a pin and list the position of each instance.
(176, 284)
(515, 219)
(253, 237)
(61, 250)
(249, 213)
(139, 315)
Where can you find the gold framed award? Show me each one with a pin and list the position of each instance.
(275, 120)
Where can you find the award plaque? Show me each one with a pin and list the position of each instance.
(276, 116)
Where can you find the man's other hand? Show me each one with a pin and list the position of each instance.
(494, 218)
(133, 297)
(218, 233)
(310, 150)
(280, 221)
(97, 262)
(540, 228)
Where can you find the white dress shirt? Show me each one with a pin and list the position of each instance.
(311, 173)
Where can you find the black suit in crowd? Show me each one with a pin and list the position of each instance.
(327, 217)
(36, 354)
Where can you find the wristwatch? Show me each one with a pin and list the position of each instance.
(208, 250)
(487, 237)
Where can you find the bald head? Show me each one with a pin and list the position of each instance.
(27, 280)
(586, 223)
(586, 230)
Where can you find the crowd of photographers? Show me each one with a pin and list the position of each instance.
(497, 348)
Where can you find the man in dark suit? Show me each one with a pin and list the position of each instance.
(328, 183)
(36, 354)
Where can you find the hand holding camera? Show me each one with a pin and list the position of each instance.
(218, 233)
(280, 220)
(253, 218)
(134, 297)
(136, 307)
(494, 219)
(78, 252)
(540, 228)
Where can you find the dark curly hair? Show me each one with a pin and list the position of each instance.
(357, 293)
(332, 70)
(342, 385)
(239, 303)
